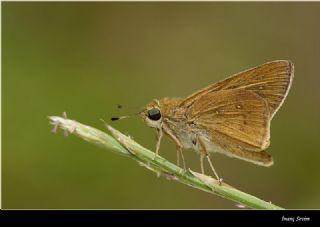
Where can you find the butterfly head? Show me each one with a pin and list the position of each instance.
(151, 114)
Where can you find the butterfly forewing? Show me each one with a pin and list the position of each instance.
(240, 116)
(271, 81)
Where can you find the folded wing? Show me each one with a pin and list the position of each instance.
(271, 81)
(238, 117)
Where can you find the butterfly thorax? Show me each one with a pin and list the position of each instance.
(176, 120)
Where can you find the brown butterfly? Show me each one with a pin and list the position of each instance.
(231, 117)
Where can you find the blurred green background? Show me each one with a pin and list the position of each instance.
(85, 58)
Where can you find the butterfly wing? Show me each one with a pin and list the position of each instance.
(271, 81)
(237, 117)
(221, 144)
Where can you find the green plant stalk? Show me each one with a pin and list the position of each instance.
(125, 146)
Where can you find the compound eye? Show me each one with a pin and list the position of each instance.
(154, 114)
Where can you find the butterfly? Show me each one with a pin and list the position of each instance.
(231, 116)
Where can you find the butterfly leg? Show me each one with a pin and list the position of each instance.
(214, 171)
(159, 137)
(179, 146)
(204, 153)
(179, 151)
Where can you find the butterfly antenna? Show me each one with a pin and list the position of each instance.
(119, 118)
(119, 106)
